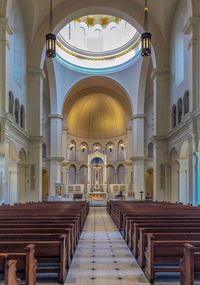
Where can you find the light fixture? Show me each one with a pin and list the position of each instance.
(71, 145)
(83, 147)
(110, 147)
(146, 36)
(50, 38)
(122, 145)
(96, 147)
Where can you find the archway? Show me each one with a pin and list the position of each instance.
(149, 183)
(184, 173)
(45, 183)
(174, 176)
(22, 191)
(12, 195)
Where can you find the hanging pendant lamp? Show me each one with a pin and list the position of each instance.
(146, 36)
(50, 38)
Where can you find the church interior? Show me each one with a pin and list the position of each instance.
(100, 142)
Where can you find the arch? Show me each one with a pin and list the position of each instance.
(22, 177)
(97, 147)
(72, 150)
(149, 183)
(72, 174)
(121, 174)
(83, 174)
(173, 116)
(12, 151)
(110, 174)
(22, 117)
(92, 84)
(179, 110)
(66, 12)
(44, 150)
(97, 160)
(186, 102)
(150, 150)
(174, 176)
(17, 109)
(11, 102)
(184, 151)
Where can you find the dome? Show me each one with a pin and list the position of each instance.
(97, 42)
(97, 116)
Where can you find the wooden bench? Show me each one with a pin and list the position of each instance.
(190, 264)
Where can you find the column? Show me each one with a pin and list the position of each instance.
(35, 99)
(104, 174)
(198, 177)
(64, 142)
(13, 195)
(183, 180)
(193, 27)
(56, 157)
(4, 45)
(160, 77)
(138, 155)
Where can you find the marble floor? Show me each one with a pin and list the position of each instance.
(102, 257)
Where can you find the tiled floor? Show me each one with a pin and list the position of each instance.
(102, 257)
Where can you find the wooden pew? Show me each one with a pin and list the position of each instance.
(164, 251)
(10, 276)
(24, 267)
(190, 264)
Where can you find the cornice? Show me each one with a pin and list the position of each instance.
(190, 24)
(138, 116)
(160, 71)
(137, 158)
(56, 158)
(55, 116)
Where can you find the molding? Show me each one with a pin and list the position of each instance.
(137, 158)
(56, 158)
(36, 72)
(190, 25)
(160, 71)
(138, 116)
(55, 116)
(158, 138)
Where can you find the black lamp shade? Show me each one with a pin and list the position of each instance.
(146, 44)
(50, 45)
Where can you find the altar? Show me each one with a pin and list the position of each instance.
(98, 196)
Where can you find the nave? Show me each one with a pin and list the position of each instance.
(102, 257)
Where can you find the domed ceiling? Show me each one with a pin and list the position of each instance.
(97, 116)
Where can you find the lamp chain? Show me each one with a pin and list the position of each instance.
(51, 17)
(146, 17)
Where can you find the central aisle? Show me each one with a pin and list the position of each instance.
(102, 257)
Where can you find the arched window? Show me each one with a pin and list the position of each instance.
(173, 116)
(44, 150)
(11, 102)
(17, 107)
(150, 150)
(180, 110)
(186, 102)
(22, 117)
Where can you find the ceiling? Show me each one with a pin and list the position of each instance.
(97, 116)
(36, 12)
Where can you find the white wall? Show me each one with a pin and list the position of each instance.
(180, 84)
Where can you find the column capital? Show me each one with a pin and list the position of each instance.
(56, 158)
(36, 73)
(137, 158)
(55, 116)
(138, 116)
(160, 72)
(191, 24)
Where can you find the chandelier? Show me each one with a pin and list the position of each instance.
(146, 36)
(50, 38)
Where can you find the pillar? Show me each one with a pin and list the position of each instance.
(35, 99)
(198, 177)
(183, 181)
(160, 77)
(56, 157)
(138, 155)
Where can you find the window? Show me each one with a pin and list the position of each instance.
(150, 150)
(11, 102)
(44, 150)
(179, 110)
(173, 115)
(186, 102)
(17, 107)
(22, 117)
